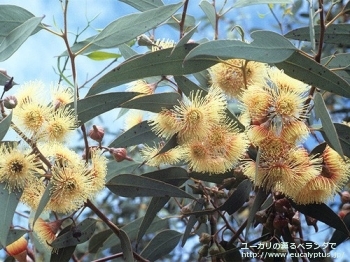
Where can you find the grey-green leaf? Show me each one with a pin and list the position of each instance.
(243, 3)
(153, 103)
(321, 112)
(209, 11)
(8, 205)
(138, 134)
(130, 26)
(192, 220)
(335, 34)
(126, 246)
(155, 205)
(175, 176)
(42, 203)
(17, 37)
(312, 73)
(163, 62)
(127, 51)
(267, 47)
(162, 244)
(128, 185)
(92, 106)
(86, 229)
(5, 125)
(143, 5)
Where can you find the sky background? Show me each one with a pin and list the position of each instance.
(36, 58)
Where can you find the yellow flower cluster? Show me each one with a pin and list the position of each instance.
(44, 126)
(275, 104)
(207, 141)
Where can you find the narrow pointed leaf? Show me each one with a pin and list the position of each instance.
(162, 62)
(126, 246)
(338, 236)
(63, 254)
(260, 198)
(126, 51)
(86, 229)
(116, 168)
(209, 11)
(43, 202)
(267, 47)
(343, 132)
(237, 199)
(323, 213)
(101, 55)
(13, 235)
(132, 228)
(335, 34)
(312, 73)
(93, 106)
(153, 103)
(127, 185)
(192, 220)
(96, 241)
(17, 37)
(161, 245)
(141, 133)
(8, 205)
(143, 5)
(175, 176)
(170, 144)
(130, 26)
(5, 125)
(155, 205)
(243, 3)
(321, 112)
(184, 40)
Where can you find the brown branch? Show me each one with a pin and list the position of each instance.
(183, 18)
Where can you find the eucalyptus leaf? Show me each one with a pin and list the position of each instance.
(126, 51)
(339, 236)
(321, 112)
(93, 106)
(42, 203)
(267, 47)
(138, 134)
(101, 55)
(126, 246)
(162, 62)
(8, 205)
(335, 34)
(96, 241)
(260, 198)
(130, 26)
(5, 125)
(209, 11)
(62, 254)
(128, 185)
(76, 235)
(154, 206)
(153, 103)
(13, 235)
(11, 42)
(162, 244)
(175, 176)
(309, 71)
(143, 5)
(243, 3)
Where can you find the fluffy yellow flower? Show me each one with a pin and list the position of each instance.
(234, 75)
(285, 82)
(98, 171)
(30, 92)
(46, 231)
(153, 158)
(17, 168)
(162, 44)
(61, 95)
(33, 192)
(165, 123)
(141, 86)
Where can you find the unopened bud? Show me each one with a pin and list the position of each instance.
(10, 102)
(280, 222)
(345, 197)
(203, 251)
(205, 238)
(119, 154)
(97, 133)
(144, 40)
(8, 84)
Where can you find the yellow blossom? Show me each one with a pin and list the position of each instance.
(33, 192)
(162, 44)
(285, 82)
(154, 158)
(141, 86)
(98, 171)
(46, 231)
(61, 95)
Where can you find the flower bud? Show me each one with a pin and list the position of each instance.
(119, 154)
(10, 102)
(205, 238)
(144, 40)
(345, 197)
(96, 133)
(203, 251)
(8, 84)
(280, 222)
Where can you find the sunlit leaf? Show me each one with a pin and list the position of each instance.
(209, 11)
(192, 220)
(185, 39)
(162, 244)
(162, 62)
(76, 235)
(267, 47)
(128, 185)
(8, 205)
(126, 246)
(101, 55)
(12, 16)
(237, 199)
(335, 34)
(321, 112)
(5, 125)
(323, 213)
(309, 71)
(17, 37)
(130, 26)
(154, 206)
(153, 103)
(243, 3)
(138, 134)
(143, 5)
(92, 106)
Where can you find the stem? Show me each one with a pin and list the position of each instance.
(183, 18)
